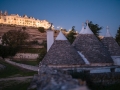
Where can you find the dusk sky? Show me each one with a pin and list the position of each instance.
(68, 13)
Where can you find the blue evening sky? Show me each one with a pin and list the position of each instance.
(68, 13)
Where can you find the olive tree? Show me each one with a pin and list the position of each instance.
(14, 38)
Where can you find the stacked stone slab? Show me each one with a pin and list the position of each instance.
(93, 50)
(112, 46)
(62, 54)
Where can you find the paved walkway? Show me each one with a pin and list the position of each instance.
(29, 67)
(16, 78)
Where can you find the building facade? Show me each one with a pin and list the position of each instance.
(15, 19)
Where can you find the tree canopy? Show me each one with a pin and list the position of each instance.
(6, 51)
(117, 37)
(95, 28)
(41, 29)
(41, 55)
(14, 38)
(70, 36)
(24, 28)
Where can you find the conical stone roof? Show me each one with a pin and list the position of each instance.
(87, 30)
(82, 30)
(110, 43)
(62, 53)
(91, 47)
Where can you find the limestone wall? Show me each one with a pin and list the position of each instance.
(29, 67)
(65, 66)
(100, 70)
(101, 64)
(26, 56)
(116, 60)
(105, 78)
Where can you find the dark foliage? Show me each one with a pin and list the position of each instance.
(6, 51)
(14, 38)
(70, 36)
(41, 29)
(41, 54)
(95, 28)
(24, 28)
(117, 37)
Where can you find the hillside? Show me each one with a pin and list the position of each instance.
(35, 35)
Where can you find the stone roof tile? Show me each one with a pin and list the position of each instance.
(92, 49)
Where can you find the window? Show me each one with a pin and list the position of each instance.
(4, 20)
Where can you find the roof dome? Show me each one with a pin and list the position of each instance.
(61, 36)
(82, 30)
(87, 30)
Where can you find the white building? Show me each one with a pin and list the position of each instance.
(15, 19)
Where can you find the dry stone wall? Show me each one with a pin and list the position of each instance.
(55, 79)
(29, 67)
(26, 56)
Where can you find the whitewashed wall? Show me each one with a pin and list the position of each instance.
(100, 70)
(50, 38)
(26, 55)
(116, 60)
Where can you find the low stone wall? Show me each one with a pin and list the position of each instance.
(55, 79)
(105, 78)
(29, 67)
(101, 64)
(65, 66)
(26, 56)
(100, 70)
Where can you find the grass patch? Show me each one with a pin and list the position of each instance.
(15, 85)
(34, 63)
(29, 50)
(11, 70)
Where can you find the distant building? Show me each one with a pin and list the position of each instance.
(15, 19)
